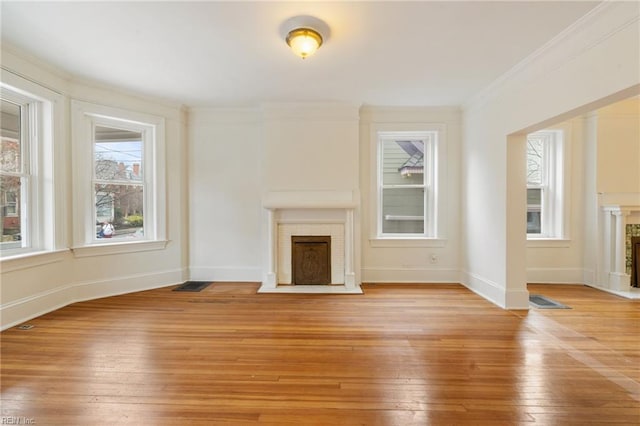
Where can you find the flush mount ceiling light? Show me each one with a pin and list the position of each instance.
(304, 41)
(305, 34)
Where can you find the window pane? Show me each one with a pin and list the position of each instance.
(534, 211)
(122, 207)
(534, 161)
(10, 189)
(403, 162)
(118, 154)
(403, 211)
(10, 153)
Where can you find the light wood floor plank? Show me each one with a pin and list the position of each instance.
(398, 355)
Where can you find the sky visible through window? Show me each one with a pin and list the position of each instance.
(127, 152)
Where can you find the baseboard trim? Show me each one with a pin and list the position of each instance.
(21, 310)
(484, 288)
(556, 275)
(221, 273)
(410, 275)
(494, 293)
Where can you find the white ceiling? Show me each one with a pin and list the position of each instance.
(233, 53)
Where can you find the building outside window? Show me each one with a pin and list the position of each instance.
(406, 184)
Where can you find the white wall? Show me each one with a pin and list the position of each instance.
(310, 147)
(238, 156)
(594, 61)
(618, 147)
(226, 177)
(411, 261)
(38, 284)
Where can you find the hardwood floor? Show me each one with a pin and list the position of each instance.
(397, 355)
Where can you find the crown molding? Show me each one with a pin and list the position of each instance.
(579, 37)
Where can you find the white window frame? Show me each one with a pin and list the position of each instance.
(36, 189)
(434, 136)
(85, 117)
(553, 184)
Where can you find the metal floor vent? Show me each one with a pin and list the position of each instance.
(193, 286)
(25, 327)
(543, 302)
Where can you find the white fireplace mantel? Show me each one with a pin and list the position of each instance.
(615, 218)
(309, 211)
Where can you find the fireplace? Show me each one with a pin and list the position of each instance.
(619, 223)
(311, 259)
(310, 228)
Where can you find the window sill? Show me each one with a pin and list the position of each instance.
(548, 243)
(407, 242)
(118, 248)
(31, 260)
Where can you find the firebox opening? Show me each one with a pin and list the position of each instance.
(311, 259)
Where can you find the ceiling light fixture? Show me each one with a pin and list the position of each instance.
(304, 41)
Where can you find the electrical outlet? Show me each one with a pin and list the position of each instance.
(434, 258)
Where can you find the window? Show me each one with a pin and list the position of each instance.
(23, 152)
(118, 182)
(121, 159)
(406, 197)
(545, 184)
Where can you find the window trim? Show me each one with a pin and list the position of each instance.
(433, 235)
(39, 231)
(85, 116)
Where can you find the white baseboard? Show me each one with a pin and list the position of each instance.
(21, 310)
(410, 275)
(494, 293)
(484, 288)
(221, 273)
(556, 275)
(588, 277)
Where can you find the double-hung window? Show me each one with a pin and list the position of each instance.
(406, 176)
(24, 155)
(545, 177)
(119, 173)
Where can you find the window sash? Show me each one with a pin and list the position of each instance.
(404, 220)
(550, 184)
(146, 140)
(25, 205)
(428, 138)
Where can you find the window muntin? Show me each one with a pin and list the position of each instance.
(406, 184)
(545, 177)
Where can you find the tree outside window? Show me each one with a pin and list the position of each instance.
(545, 184)
(118, 181)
